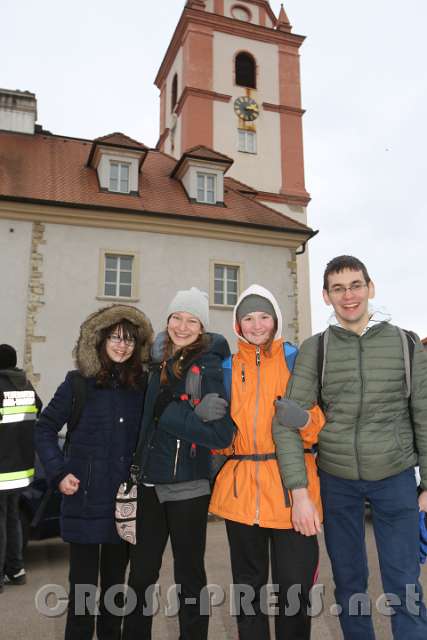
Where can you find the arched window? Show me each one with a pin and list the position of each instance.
(245, 70)
(174, 91)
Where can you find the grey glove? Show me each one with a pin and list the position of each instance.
(290, 415)
(212, 407)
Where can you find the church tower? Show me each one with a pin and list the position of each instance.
(230, 80)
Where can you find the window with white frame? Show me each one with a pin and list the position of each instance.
(206, 187)
(119, 177)
(226, 284)
(118, 275)
(247, 141)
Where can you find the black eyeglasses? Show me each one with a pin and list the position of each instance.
(129, 342)
(339, 290)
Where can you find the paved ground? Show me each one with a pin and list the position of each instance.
(47, 564)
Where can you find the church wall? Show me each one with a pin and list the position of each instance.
(15, 251)
(166, 264)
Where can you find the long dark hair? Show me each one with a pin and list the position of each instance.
(183, 357)
(130, 372)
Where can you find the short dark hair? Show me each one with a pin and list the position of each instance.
(7, 357)
(338, 264)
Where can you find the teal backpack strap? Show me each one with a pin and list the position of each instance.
(290, 352)
(227, 364)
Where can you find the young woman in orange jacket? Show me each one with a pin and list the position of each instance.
(262, 526)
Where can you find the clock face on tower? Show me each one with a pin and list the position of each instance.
(246, 108)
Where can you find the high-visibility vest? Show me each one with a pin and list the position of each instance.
(18, 412)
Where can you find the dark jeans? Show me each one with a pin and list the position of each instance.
(87, 563)
(11, 560)
(185, 522)
(395, 520)
(294, 562)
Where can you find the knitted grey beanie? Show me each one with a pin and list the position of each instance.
(192, 301)
(253, 303)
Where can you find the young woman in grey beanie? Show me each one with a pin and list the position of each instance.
(181, 425)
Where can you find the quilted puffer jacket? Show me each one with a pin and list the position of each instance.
(371, 431)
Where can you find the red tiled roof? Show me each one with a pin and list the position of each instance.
(121, 140)
(53, 169)
(207, 154)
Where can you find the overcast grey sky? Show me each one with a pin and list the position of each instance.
(92, 64)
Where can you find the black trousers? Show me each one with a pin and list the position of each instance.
(88, 562)
(294, 562)
(185, 521)
(11, 559)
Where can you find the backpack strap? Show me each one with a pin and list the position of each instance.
(227, 364)
(290, 351)
(321, 359)
(79, 388)
(408, 345)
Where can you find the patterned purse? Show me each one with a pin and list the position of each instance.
(125, 514)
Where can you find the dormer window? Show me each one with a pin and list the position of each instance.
(119, 177)
(201, 172)
(206, 187)
(117, 160)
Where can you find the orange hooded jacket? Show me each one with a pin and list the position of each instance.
(249, 491)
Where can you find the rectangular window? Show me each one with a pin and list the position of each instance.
(206, 187)
(119, 177)
(247, 141)
(118, 275)
(226, 284)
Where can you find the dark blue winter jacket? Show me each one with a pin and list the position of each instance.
(178, 447)
(99, 455)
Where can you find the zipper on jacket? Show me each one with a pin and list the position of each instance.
(258, 367)
(359, 413)
(178, 444)
(89, 476)
(243, 375)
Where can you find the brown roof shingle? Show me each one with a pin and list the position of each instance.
(53, 169)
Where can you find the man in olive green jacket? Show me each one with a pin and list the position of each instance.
(375, 432)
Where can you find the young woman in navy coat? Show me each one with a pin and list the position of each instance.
(175, 465)
(110, 353)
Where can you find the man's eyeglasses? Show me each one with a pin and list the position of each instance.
(339, 290)
(129, 342)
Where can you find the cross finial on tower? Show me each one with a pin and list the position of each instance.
(283, 23)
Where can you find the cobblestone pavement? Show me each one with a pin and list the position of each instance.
(46, 563)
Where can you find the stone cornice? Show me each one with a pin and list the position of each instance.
(224, 25)
(153, 223)
(202, 93)
(301, 199)
(282, 108)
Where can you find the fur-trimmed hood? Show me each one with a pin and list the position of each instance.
(85, 353)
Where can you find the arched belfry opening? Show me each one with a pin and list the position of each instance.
(245, 70)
